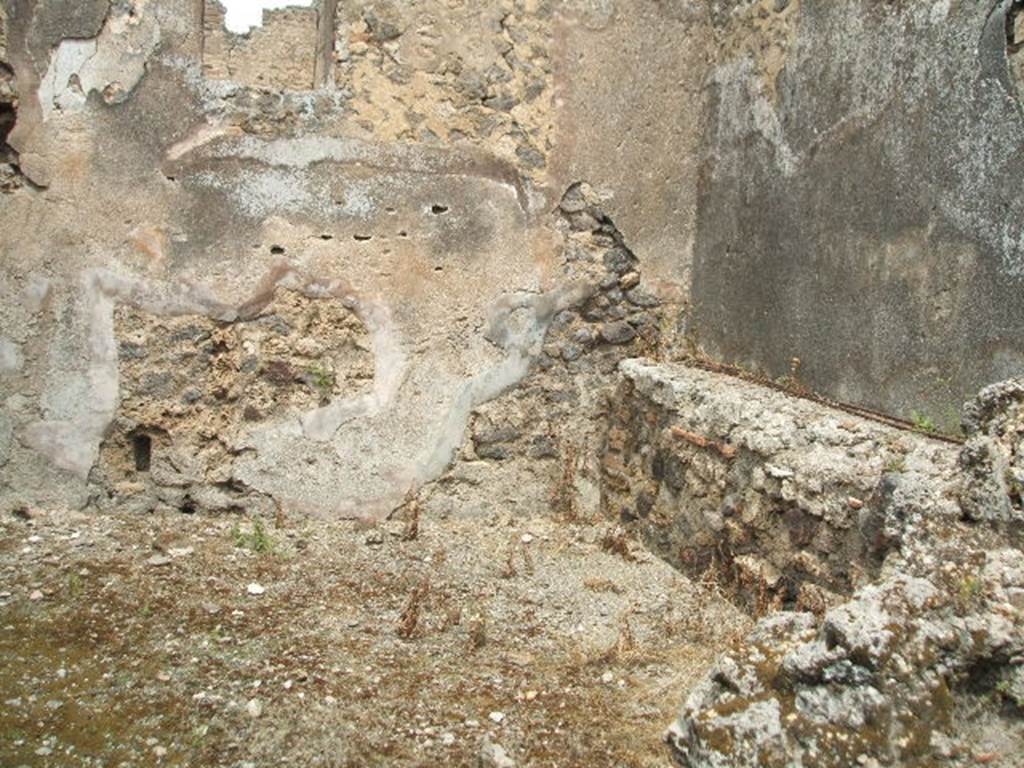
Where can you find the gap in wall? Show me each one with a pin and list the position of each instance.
(243, 15)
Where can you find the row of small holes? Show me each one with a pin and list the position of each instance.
(437, 210)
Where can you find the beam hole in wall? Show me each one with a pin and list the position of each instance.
(142, 451)
(1014, 45)
(1015, 27)
(438, 209)
(277, 250)
(8, 114)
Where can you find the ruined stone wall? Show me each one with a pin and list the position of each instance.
(442, 72)
(442, 190)
(782, 502)
(922, 666)
(537, 450)
(859, 199)
(192, 386)
(280, 54)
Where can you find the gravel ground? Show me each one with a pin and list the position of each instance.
(196, 641)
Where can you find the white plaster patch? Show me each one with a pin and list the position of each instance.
(60, 87)
(264, 192)
(744, 108)
(260, 193)
(112, 63)
(37, 293)
(10, 356)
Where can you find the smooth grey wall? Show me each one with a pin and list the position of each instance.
(868, 219)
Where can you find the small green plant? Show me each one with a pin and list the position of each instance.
(261, 541)
(1011, 692)
(970, 590)
(257, 540)
(321, 378)
(896, 464)
(199, 734)
(15, 734)
(1014, 487)
(923, 423)
(74, 585)
(791, 381)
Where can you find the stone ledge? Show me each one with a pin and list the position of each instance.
(783, 501)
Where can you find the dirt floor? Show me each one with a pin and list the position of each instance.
(195, 641)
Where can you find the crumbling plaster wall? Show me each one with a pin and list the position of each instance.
(419, 183)
(859, 205)
(417, 194)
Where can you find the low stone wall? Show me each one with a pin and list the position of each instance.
(785, 502)
(924, 667)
